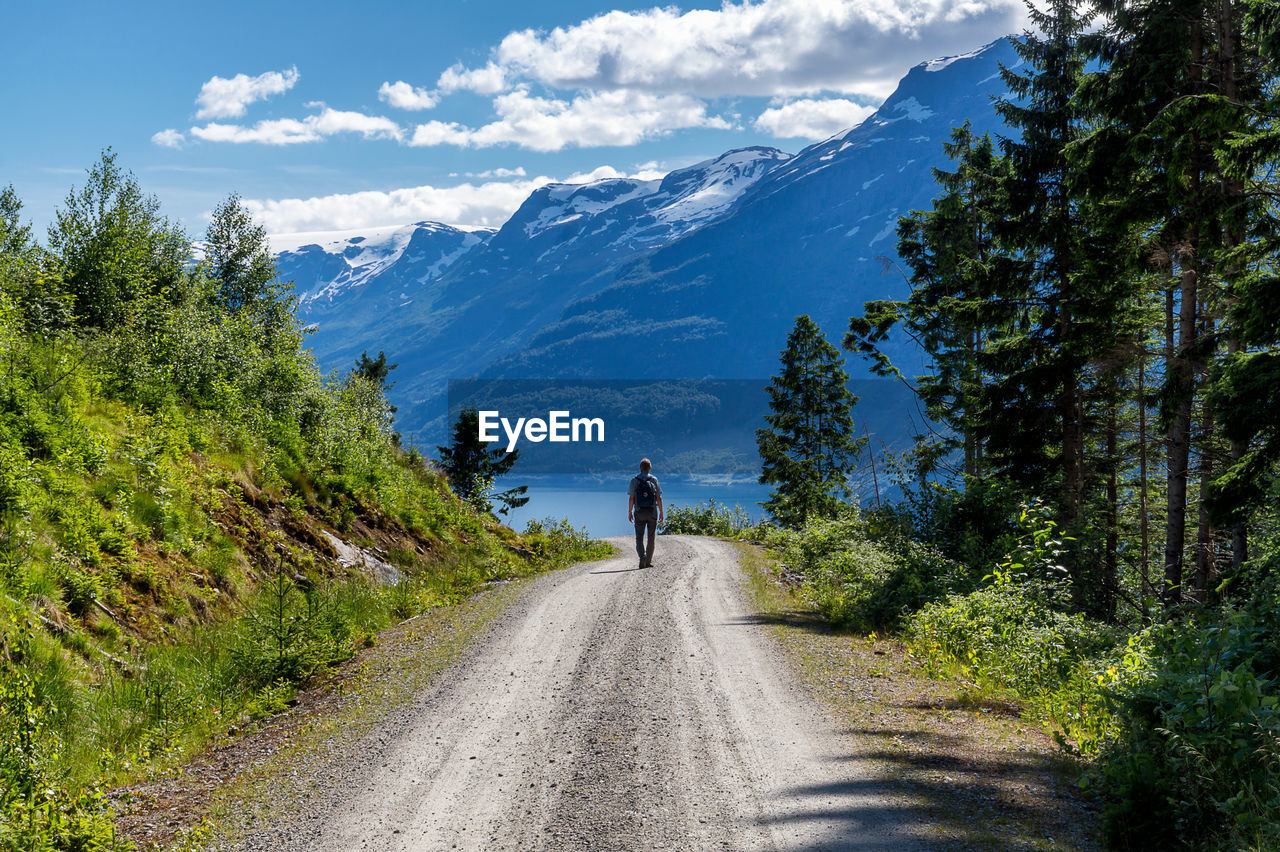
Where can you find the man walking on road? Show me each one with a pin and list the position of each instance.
(644, 508)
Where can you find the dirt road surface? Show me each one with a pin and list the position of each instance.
(612, 708)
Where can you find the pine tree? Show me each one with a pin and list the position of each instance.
(473, 468)
(1083, 323)
(808, 448)
(1180, 84)
(375, 369)
(1045, 239)
(1246, 391)
(948, 252)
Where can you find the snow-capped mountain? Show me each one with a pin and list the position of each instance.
(738, 246)
(464, 298)
(565, 235)
(816, 235)
(346, 282)
(636, 214)
(565, 240)
(335, 263)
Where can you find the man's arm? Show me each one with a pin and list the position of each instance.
(631, 508)
(659, 507)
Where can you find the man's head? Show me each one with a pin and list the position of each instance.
(645, 465)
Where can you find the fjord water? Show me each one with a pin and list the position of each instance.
(600, 505)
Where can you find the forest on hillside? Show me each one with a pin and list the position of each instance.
(1091, 524)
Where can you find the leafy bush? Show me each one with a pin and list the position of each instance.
(1197, 759)
(561, 543)
(710, 518)
(1003, 636)
(973, 525)
(860, 580)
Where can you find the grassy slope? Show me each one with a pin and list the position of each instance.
(243, 781)
(137, 547)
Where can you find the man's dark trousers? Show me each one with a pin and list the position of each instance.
(646, 520)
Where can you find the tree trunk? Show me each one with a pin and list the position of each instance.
(1181, 379)
(1144, 520)
(1113, 535)
(1068, 409)
(1181, 390)
(1230, 71)
(1205, 534)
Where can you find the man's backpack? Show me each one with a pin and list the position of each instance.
(646, 492)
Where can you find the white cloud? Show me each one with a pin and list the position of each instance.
(440, 133)
(403, 96)
(488, 80)
(753, 47)
(617, 117)
(609, 173)
(468, 204)
(223, 98)
(168, 138)
(332, 121)
(283, 131)
(811, 119)
(518, 171)
(490, 203)
(292, 131)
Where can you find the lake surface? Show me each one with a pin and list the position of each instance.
(601, 505)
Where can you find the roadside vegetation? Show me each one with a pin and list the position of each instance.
(194, 521)
(1090, 526)
(1176, 714)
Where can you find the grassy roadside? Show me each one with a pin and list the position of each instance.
(246, 781)
(975, 774)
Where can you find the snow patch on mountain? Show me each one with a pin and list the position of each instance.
(571, 202)
(935, 65)
(659, 209)
(352, 258)
(913, 110)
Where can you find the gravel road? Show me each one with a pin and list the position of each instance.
(611, 708)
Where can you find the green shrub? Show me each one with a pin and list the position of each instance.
(561, 543)
(862, 581)
(1004, 637)
(710, 518)
(974, 525)
(1197, 760)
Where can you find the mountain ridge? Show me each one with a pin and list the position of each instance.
(571, 284)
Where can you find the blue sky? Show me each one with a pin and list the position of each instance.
(337, 116)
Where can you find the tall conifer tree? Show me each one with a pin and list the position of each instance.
(808, 447)
(1179, 84)
(948, 252)
(1046, 241)
(473, 467)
